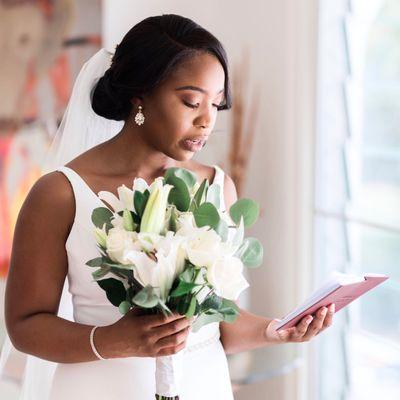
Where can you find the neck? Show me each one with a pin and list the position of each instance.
(134, 155)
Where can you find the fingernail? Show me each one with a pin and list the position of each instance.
(332, 308)
(309, 319)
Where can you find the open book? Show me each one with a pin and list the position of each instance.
(340, 289)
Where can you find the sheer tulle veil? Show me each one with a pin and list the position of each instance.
(80, 129)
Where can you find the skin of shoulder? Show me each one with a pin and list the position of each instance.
(39, 264)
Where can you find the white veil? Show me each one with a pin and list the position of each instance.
(80, 129)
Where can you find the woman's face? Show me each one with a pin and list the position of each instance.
(184, 107)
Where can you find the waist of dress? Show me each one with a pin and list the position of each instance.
(201, 344)
(105, 315)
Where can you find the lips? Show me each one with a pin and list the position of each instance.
(193, 144)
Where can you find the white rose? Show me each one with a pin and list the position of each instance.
(226, 276)
(118, 241)
(203, 249)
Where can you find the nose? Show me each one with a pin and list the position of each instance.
(204, 121)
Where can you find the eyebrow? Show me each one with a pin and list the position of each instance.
(196, 88)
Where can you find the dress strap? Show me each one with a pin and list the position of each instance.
(83, 204)
(219, 179)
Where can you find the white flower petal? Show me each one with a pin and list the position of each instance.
(111, 199)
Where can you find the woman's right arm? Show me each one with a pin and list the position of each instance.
(38, 269)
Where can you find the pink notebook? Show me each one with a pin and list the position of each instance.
(340, 289)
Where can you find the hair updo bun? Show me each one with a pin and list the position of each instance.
(147, 55)
(108, 101)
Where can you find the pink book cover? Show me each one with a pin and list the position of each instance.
(336, 291)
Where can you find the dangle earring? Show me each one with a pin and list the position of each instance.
(139, 117)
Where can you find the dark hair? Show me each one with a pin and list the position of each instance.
(147, 54)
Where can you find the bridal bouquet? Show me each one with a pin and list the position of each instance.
(169, 248)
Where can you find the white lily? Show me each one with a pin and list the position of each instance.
(159, 274)
(153, 218)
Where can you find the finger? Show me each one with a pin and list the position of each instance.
(301, 328)
(167, 351)
(174, 339)
(316, 326)
(329, 316)
(171, 327)
(161, 319)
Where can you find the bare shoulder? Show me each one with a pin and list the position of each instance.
(39, 264)
(51, 194)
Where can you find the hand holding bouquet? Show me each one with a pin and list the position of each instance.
(168, 247)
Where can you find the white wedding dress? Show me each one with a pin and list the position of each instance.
(206, 373)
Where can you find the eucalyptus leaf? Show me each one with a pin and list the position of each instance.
(222, 229)
(211, 302)
(124, 307)
(247, 208)
(96, 262)
(100, 273)
(237, 238)
(189, 177)
(179, 194)
(204, 319)
(206, 214)
(250, 252)
(114, 289)
(101, 216)
(146, 298)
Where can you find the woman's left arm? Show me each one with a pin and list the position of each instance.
(250, 331)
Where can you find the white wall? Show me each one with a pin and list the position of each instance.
(281, 36)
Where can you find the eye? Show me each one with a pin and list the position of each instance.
(190, 105)
(217, 106)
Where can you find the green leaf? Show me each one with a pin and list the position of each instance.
(222, 229)
(192, 307)
(250, 252)
(204, 319)
(119, 266)
(179, 194)
(206, 214)
(140, 201)
(188, 274)
(114, 289)
(229, 307)
(183, 288)
(230, 317)
(189, 177)
(214, 195)
(247, 208)
(200, 195)
(96, 262)
(124, 307)
(211, 302)
(101, 216)
(146, 298)
(100, 273)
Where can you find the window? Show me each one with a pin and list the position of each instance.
(357, 198)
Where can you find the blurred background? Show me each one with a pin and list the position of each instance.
(314, 137)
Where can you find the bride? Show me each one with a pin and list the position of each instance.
(149, 107)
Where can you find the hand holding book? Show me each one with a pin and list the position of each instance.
(337, 292)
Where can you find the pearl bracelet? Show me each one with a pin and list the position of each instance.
(93, 346)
